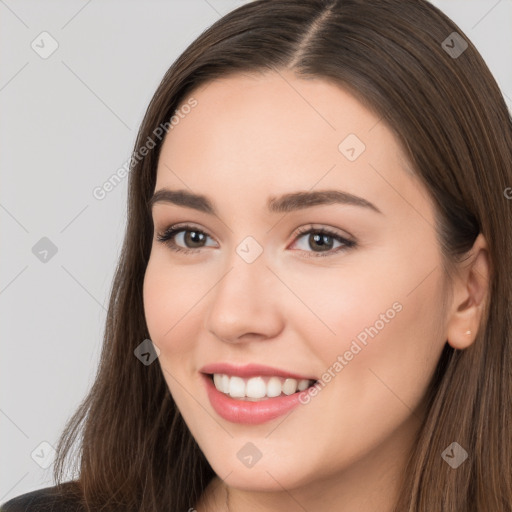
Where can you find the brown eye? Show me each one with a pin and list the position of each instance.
(191, 239)
(324, 242)
(321, 242)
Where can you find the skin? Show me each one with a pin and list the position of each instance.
(255, 136)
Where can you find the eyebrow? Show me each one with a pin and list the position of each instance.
(282, 204)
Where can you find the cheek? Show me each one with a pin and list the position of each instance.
(156, 298)
(170, 307)
(390, 345)
(172, 312)
(374, 328)
(340, 308)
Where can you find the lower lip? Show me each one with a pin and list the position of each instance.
(251, 413)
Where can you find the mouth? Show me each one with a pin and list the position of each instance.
(258, 387)
(254, 394)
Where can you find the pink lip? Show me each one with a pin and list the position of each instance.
(251, 413)
(251, 370)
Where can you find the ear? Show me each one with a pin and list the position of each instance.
(470, 290)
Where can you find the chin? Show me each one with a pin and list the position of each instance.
(261, 477)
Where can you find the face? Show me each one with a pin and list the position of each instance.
(345, 293)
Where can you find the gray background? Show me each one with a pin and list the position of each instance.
(69, 121)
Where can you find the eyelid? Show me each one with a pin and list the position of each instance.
(173, 229)
(168, 234)
(335, 232)
(347, 242)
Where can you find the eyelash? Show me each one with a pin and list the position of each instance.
(168, 234)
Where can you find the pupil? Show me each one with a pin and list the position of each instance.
(322, 240)
(195, 234)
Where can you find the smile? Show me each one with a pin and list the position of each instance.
(258, 388)
(253, 394)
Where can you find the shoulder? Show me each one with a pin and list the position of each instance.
(49, 499)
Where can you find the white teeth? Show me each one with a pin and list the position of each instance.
(217, 380)
(303, 384)
(221, 382)
(258, 387)
(224, 384)
(274, 387)
(289, 386)
(236, 387)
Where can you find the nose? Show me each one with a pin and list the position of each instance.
(245, 304)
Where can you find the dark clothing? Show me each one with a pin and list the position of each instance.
(43, 500)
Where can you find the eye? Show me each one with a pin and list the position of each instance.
(322, 239)
(191, 239)
(187, 234)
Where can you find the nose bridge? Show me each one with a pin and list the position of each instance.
(244, 300)
(246, 266)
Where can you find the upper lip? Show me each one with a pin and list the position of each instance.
(251, 370)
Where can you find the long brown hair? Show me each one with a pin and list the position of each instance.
(446, 110)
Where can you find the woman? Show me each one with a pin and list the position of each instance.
(311, 310)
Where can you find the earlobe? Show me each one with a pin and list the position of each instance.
(470, 296)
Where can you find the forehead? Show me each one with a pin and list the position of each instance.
(277, 104)
(275, 131)
(272, 117)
